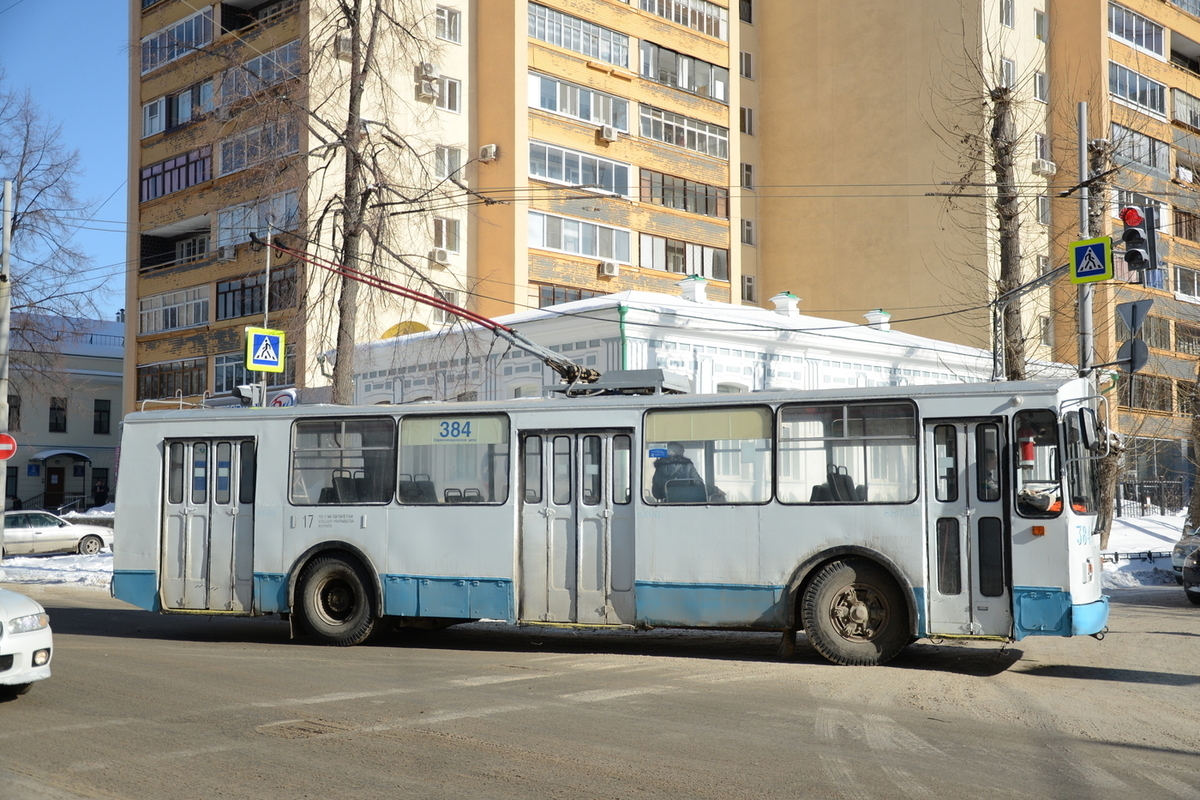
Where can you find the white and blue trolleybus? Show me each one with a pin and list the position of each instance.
(868, 518)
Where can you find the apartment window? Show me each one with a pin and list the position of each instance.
(552, 295)
(1134, 147)
(589, 105)
(1155, 332)
(229, 371)
(441, 316)
(577, 237)
(747, 176)
(1040, 28)
(1187, 281)
(1043, 209)
(746, 121)
(279, 212)
(1187, 339)
(449, 24)
(684, 72)
(259, 144)
(1136, 89)
(1125, 197)
(1047, 330)
(1190, 6)
(746, 65)
(154, 117)
(1007, 16)
(58, 415)
(686, 195)
(14, 413)
(580, 36)
(178, 40)
(1008, 73)
(1187, 225)
(676, 129)
(578, 169)
(101, 416)
(1185, 108)
(748, 232)
(449, 95)
(1043, 265)
(1135, 30)
(193, 248)
(270, 68)
(243, 297)
(1150, 392)
(674, 255)
(699, 15)
(174, 174)
(749, 289)
(1041, 87)
(1041, 146)
(746, 11)
(447, 161)
(170, 379)
(171, 311)
(446, 233)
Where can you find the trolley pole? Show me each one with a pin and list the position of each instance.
(1086, 335)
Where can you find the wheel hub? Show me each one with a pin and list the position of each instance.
(337, 601)
(858, 613)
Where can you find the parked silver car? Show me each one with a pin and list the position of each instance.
(40, 532)
(1184, 548)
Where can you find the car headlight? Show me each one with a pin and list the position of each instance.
(33, 622)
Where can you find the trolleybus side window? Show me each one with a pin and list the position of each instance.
(717, 455)
(454, 459)
(987, 466)
(1080, 464)
(246, 473)
(848, 453)
(343, 461)
(622, 469)
(1037, 466)
(533, 469)
(175, 469)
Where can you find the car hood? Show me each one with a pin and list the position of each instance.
(13, 604)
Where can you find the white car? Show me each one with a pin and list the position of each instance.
(28, 533)
(25, 643)
(1187, 545)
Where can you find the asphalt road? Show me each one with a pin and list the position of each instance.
(147, 706)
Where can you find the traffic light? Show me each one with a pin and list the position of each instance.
(1139, 237)
(250, 395)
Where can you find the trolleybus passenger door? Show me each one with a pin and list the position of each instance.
(969, 575)
(576, 527)
(208, 525)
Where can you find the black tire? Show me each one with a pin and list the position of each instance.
(1193, 597)
(15, 690)
(90, 545)
(335, 602)
(854, 614)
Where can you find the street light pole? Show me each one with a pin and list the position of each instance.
(5, 309)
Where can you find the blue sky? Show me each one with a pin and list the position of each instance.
(72, 55)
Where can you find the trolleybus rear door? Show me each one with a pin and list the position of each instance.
(208, 525)
(969, 576)
(576, 527)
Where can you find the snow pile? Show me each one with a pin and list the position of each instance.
(1138, 554)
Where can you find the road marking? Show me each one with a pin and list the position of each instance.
(488, 680)
(883, 733)
(434, 718)
(174, 755)
(24, 733)
(599, 695)
(1175, 787)
(844, 782)
(329, 698)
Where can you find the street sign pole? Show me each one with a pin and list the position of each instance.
(5, 307)
(1086, 343)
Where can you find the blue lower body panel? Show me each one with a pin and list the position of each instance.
(270, 592)
(451, 598)
(137, 587)
(711, 605)
(1043, 611)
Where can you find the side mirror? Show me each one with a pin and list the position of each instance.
(1089, 428)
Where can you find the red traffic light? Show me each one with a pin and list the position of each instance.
(1131, 215)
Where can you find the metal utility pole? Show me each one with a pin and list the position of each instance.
(1086, 336)
(5, 308)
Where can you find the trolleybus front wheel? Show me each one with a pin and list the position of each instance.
(335, 602)
(854, 613)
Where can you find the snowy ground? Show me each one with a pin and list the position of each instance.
(1139, 554)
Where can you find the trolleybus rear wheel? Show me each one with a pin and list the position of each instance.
(854, 613)
(336, 602)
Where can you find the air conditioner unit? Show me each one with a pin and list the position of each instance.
(439, 256)
(1184, 174)
(223, 112)
(226, 252)
(428, 71)
(610, 269)
(1044, 167)
(609, 133)
(428, 90)
(489, 152)
(342, 46)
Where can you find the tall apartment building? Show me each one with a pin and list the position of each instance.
(1137, 65)
(555, 150)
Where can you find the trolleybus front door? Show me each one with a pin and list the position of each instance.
(576, 527)
(969, 576)
(208, 525)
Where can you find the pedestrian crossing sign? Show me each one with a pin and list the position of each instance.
(1091, 260)
(264, 350)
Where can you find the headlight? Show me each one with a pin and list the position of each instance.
(33, 622)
